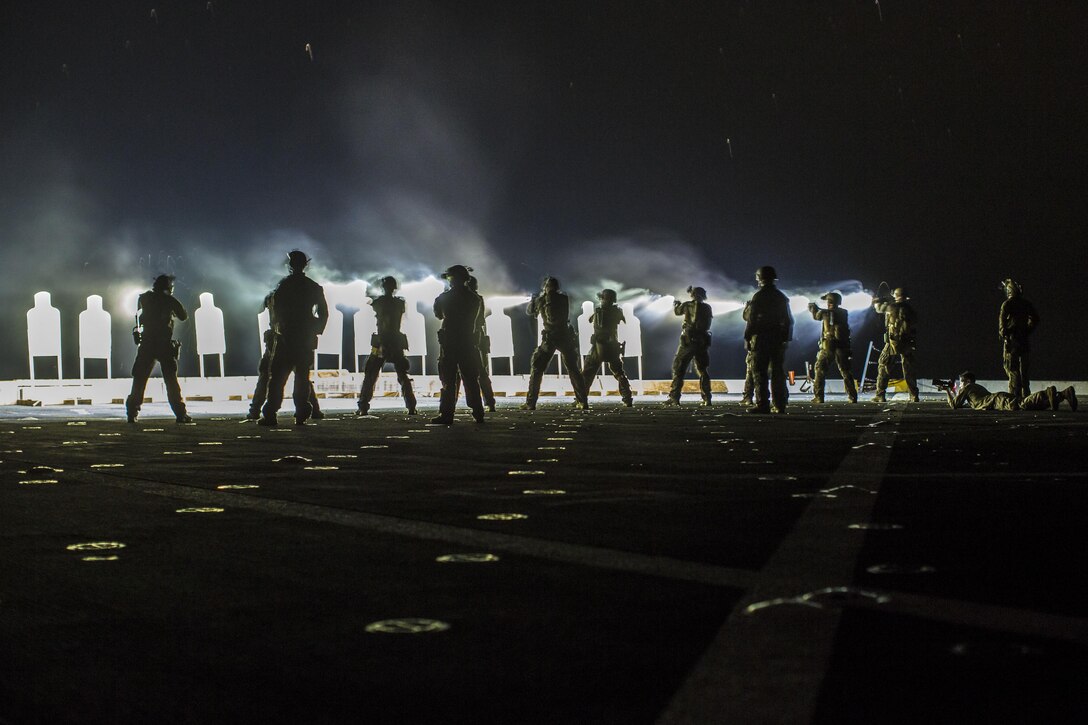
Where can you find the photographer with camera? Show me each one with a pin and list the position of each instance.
(156, 310)
(900, 323)
(974, 396)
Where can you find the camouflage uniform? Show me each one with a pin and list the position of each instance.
(483, 344)
(749, 365)
(157, 310)
(606, 348)
(834, 344)
(388, 345)
(900, 322)
(694, 346)
(1015, 324)
(554, 309)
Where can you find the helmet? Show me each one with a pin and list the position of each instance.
(473, 283)
(766, 274)
(549, 283)
(297, 260)
(163, 283)
(1007, 283)
(697, 292)
(607, 295)
(833, 298)
(968, 375)
(900, 292)
(389, 284)
(457, 272)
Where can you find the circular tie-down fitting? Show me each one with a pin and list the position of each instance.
(502, 517)
(200, 510)
(481, 558)
(875, 526)
(992, 652)
(407, 625)
(293, 460)
(95, 546)
(900, 569)
(837, 597)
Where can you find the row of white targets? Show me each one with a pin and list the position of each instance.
(96, 343)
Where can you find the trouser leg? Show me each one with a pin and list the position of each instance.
(141, 370)
(315, 407)
(616, 366)
(593, 366)
(301, 393)
(679, 369)
(882, 374)
(1025, 380)
(169, 367)
(761, 362)
(260, 392)
(486, 389)
(468, 365)
(909, 373)
(749, 377)
(448, 374)
(279, 369)
(819, 370)
(780, 394)
(569, 353)
(842, 359)
(401, 366)
(371, 371)
(702, 369)
(539, 362)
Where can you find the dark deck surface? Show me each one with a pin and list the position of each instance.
(660, 573)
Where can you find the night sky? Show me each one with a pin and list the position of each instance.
(939, 146)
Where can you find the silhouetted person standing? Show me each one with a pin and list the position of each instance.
(768, 333)
(388, 345)
(483, 344)
(459, 309)
(264, 369)
(1018, 319)
(834, 345)
(156, 310)
(299, 313)
(694, 344)
(900, 337)
(749, 366)
(554, 309)
(605, 346)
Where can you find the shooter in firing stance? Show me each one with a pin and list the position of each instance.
(554, 309)
(900, 334)
(387, 345)
(605, 346)
(156, 310)
(694, 344)
(264, 370)
(834, 345)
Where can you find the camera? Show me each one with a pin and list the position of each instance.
(943, 384)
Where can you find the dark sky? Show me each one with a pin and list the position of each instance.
(937, 146)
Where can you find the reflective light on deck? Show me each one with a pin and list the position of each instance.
(467, 558)
(501, 517)
(96, 546)
(200, 510)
